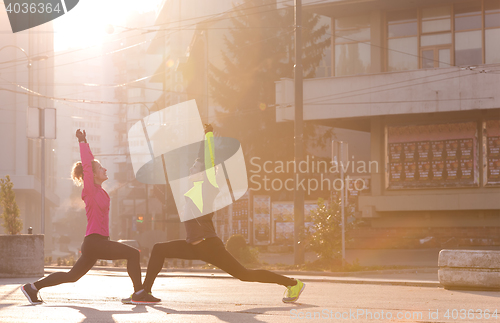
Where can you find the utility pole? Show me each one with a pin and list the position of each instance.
(298, 203)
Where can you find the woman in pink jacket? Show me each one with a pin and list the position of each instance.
(96, 244)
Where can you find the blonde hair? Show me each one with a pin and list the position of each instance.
(77, 172)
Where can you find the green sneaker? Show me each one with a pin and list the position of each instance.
(127, 300)
(292, 293)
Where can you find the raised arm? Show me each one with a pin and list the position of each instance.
(87, 158)
(210, 155)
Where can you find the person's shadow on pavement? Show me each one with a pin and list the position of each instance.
(93, 315)
(226, 316)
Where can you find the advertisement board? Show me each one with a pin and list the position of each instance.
(434, 156)
(492, 152)
(262, 220)
(282, 214)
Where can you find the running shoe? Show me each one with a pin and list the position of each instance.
(31, 294)
(141, 297)
(292, 293)
(127, 300)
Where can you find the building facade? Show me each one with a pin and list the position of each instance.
(422, 78)
(26, 65)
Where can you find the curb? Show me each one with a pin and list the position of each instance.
(281, 272)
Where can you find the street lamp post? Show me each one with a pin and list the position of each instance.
(299, 134)
(42, 128)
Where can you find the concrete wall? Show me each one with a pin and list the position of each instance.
(21, 255)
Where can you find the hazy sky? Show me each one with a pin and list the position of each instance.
(87, 24)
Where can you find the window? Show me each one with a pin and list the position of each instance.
(492, 31)
(402, 42)
(444, 36)
(324, 68)
(352, 45)
(468, 34)
(435, 39)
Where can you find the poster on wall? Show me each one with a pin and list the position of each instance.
(451, 148)
(437, 171)
(240, 216)
(466, 169)
(395, 151)
(424, 171)
(494, 147)
(493, 170)
(433, 156)
(409, 149)
(285, 232)
(452, 170)
(283, 212)
(395, 172)
(423, 151)
(437, 150)
(261, 220)
(465, 149)
(492, 152)
(410, 170)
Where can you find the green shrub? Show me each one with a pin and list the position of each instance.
(10, 215)
(325, 236)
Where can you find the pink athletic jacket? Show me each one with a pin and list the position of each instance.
(95, 197)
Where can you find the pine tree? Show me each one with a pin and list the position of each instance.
(10, 215)
(260, 51)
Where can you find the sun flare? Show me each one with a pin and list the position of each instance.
(92, 22)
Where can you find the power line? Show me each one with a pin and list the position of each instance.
(124, 84)
(86, 101)
(172, 29)
(236, 9)
(160, 73)
(403, 101)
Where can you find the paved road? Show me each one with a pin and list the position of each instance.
(96, 298)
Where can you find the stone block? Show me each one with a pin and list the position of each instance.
(469, 269)
(22, 255)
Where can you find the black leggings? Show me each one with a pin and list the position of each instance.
(96, 247)
(212, 251)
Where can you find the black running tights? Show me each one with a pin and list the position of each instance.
(212, 251)
(96, 247)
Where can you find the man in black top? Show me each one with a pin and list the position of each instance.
(202, 242)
